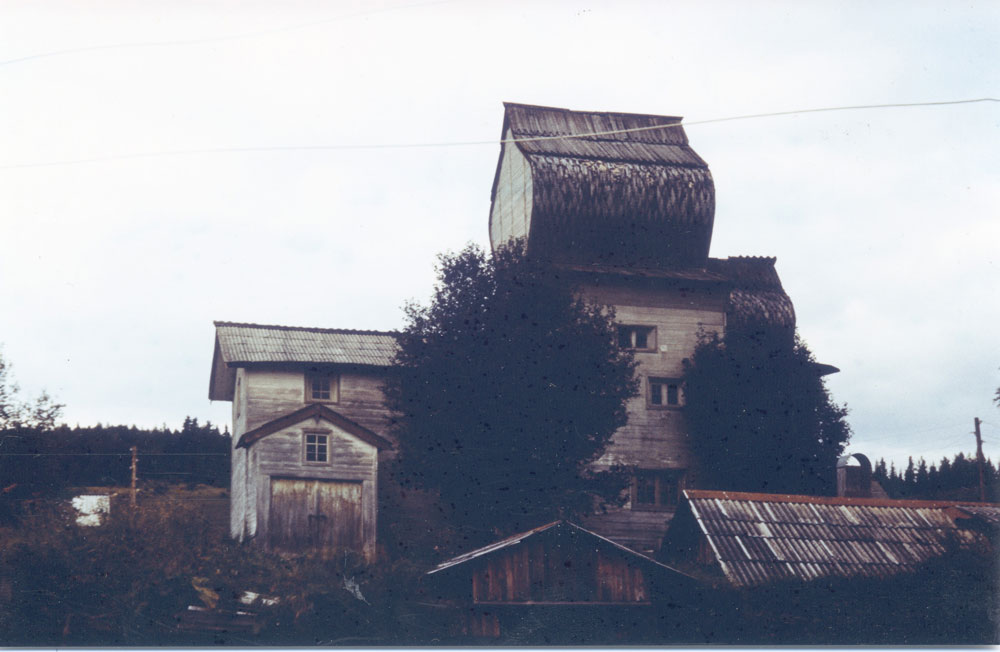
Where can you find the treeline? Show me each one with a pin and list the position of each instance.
(43, 462)
(954, 479)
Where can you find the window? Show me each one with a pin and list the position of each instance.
(652, 490)
(665, 393)
(637, 338)
(317, 447)
(322, 386)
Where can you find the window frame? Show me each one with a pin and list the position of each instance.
(316, 432)
(320, 374)
(666, 383)
(651, 338)
(660, 478)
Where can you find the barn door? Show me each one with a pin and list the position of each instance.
(314, 515)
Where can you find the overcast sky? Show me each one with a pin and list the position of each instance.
(884, 221)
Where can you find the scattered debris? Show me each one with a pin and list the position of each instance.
(249, 597)
(352, 587)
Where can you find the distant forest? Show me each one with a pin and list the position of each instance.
(44, 462)
(954, 479)
(35, 463)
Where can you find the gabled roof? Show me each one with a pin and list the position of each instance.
(256, 344)
(758, 538)
(250, 343)
(548, 527)
(316, 411)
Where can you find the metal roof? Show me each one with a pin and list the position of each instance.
(757, 538)
(256, 343)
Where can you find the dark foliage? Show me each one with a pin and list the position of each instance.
(760, 416)
(128, 581)
(508, 385)
(951, 600)
(954, 479)
(37, 463)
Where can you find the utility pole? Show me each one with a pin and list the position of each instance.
(135, 474)
(979, 462)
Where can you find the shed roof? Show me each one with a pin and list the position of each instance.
(758, 538)
(515, 539)
(238, 344)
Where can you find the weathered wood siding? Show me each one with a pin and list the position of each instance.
(655, 438)
(538, 572)
(314, 514)
(238, 463)
(272, 394)
(510, 216)
(278, 458)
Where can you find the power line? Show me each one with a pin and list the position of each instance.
(213, 39)
(467, 143)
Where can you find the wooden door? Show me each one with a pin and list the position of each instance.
(314, 515)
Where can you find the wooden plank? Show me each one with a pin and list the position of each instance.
(314, 515)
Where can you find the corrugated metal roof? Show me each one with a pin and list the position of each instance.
(759, 538)
(256, 343)
(989, 513)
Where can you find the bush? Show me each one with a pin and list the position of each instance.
(124, 583)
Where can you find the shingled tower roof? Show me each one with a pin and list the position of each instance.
(601, 188)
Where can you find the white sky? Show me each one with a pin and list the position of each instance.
(884, 222)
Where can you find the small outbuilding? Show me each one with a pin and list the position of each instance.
(559, 578)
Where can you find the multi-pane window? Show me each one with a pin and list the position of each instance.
(637, 338)
(656, 489)
(321, 386)
(665, 392)
(317, 447)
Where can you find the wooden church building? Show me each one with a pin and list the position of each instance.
(619, 201)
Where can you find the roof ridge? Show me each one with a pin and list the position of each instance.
(565, 110)
(312, 329)
(771, 259)
(827, 500)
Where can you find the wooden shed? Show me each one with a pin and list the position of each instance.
(561, 575)
(311, 479)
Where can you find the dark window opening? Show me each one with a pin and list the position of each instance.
(665, 392)
(656, 489)
(637, 338)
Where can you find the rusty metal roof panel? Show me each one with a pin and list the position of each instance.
(989, 513)
(255, 343)
(762, 537)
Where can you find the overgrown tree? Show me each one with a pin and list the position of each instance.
(40, 414)
(760, 416)
(508, 386)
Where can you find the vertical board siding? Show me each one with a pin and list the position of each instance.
(544, 572)
(510, 216)
(315, 515)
